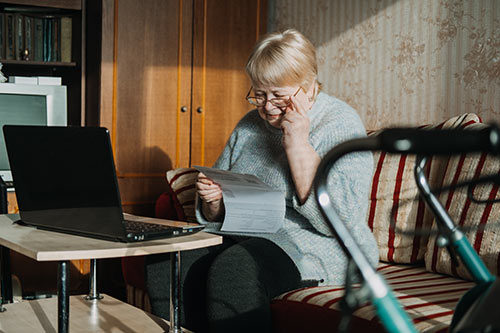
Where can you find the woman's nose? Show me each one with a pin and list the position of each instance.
(269, 105)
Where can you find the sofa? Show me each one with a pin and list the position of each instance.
(422, 275)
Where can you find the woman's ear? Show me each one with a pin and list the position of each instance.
(311, 93)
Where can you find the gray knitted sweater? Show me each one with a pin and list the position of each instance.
(255, 147)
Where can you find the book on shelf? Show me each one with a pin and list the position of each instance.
(2, 39)
(47, 39)
(9, 40)
(37, 39)
(36, 36)
(28, 38)
(56, 39)
(66, 32)
(19, 36)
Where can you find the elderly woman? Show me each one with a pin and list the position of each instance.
(228, 288)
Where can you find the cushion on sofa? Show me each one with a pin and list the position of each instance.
(480, 222)
(394, 197)
(428, 298)
(182, 182)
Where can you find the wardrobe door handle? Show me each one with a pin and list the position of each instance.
(184, 109)
(199, 109)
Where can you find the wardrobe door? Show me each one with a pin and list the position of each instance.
(225, 32)
(145, 93)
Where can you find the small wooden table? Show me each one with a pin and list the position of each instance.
(44, 245)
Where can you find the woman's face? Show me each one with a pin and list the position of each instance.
(277, 101)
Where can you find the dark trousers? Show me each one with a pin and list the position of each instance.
(225, 288)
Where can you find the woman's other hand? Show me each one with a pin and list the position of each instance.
(295, 123)
(302, 158)
(210, 194)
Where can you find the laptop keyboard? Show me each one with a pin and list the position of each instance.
(135, 226)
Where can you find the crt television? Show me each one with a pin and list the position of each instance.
(29, 104)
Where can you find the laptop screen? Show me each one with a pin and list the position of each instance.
(62, 167)
(64, 173)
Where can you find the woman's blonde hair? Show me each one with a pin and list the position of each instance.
(283, 58)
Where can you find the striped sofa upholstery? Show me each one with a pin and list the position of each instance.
(429, 299)
(478, 221)
(419, 273)
(394, 198)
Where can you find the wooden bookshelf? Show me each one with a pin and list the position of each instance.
(65, 4)
(73, 74)
(40, 60)
(39, 63)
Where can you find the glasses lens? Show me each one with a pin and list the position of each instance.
(280, 102)
(258, 101)
(261, 101)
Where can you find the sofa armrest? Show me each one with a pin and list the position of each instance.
(168, 207)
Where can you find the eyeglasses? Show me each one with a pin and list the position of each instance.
(279, 102)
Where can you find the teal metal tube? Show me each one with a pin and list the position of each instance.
(392, 315)
(471, 260)
(454, 237)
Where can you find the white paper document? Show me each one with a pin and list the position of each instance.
(251, 205)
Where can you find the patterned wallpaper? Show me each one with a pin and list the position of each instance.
(403, 62)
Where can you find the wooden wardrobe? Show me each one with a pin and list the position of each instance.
(172, 85)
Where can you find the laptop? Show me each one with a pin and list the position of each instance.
(65, 180)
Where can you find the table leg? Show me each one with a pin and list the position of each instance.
(5, 277)
(63, 297)
(175, 291)
(93, 293)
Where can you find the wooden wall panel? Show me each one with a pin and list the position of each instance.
(146, 79)
(107, 63)
(146, 86)
(158, 58)
(224, 34)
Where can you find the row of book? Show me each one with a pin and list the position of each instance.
(36, 38)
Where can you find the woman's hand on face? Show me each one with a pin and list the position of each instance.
(208, 191)
(295, 123)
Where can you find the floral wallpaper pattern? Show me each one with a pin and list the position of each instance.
(404, 62)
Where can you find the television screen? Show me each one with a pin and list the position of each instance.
(20, 110)
(29, 104)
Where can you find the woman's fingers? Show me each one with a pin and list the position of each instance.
(204, 179)
(207, 189)
(200, 185)
(299, 103)
(210, 195)
(212, 198)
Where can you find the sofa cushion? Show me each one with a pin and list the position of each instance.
(396, 214)
(428, 298)
(181, 182)
(478, 221)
